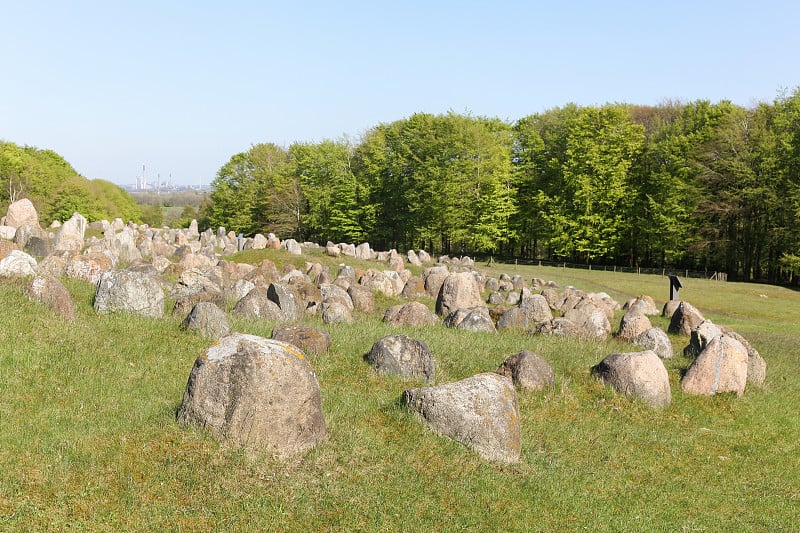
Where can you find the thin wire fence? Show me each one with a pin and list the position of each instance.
(713, 275)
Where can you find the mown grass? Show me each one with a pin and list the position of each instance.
(88, 439)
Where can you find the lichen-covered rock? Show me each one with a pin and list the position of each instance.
(481, 412)
(88, 268)
(474, 319)
(362, 297)
(632, 324)
(51, 292)
(720, 367)
(528, 371)
(536, 308)
(288, 300)
(513, 318)
(69, 237)
(22, 213)
(657, 340)
(410, 314)
(561, 326)
(459, 291)
(17, 264)
(640, 374)
(403, 356)
(256, 304)
(130, 292)
(336, 313)
(255, 393)
(700, 336)
(414, 288)
(208, 320)
(309, 340)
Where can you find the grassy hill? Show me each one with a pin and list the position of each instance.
(88, 439)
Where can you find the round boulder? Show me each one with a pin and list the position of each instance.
(309, 340)
(528, 371)
(208, 320)
(131, 292)
(640, 374)
(481, 412)
(402, 356)
(410, 314)
(256, 393)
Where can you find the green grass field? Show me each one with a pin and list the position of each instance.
(88, 439)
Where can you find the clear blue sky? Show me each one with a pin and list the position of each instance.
(182, 86)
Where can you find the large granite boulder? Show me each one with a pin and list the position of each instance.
(459, 290)
(756, 366)
(130, 292)
(51, 292)
(528, 371)
(362, 297)
(69, 237)
(410, 314)
(288, 300)
(255, 393)
(657, 340)
(17, 264)
(475, 319)
(403, 356)
(632, 324)
(593, 319)
(87, 268)
(256, 304)
(310, 340)
(720, 367)
(481, 412)
(22, 213)
(208, 320)
(640, 374)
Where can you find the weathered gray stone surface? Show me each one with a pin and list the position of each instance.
(536, 308)
(292, 246)
(720, 367)
(481, 412)
(255, 393)
(288, 300)
(640, 374)
(561, 326)
(256, 304)
(208, 320)
(17, 264)
(22, 213)
(593, 319)
(684, 319)
(310, 340)
(410, 314)
(434, 277)
(459, 291)
(528, 371)
(657, 340)
(130, 292)
(88, 268)
(699, 338)
(474, 319)
(513, 318)
(69, 237)
(363, 251)
(51, 292)
(403, 356)
(643, 304)
(756, 366)
(334, 293)
(336, 313)
(363, 299)
(414, 288)
(632, 324)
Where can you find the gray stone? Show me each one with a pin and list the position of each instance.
(594, 321)
(640, 374)
(22, 213)
(414, 288)
(208, 320)
(410, 314)
(255, 393)
(657, 340)
(669, 308)
(434, 278)
(514, 318)
(536, 308)
(402, 356)
(17, 264)
(699, 338)
(720, 367)
(756, 366)
(362, 297)
(632, 324)
(528, 370)
(70, 236)
(129, 292)
(256, 304)
(336, 313)
(480, 412)
(310, 340)
(475, 319)
(458, 291)
(288, 300)
(51, 292)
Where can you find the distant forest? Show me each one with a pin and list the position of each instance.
(699, 185)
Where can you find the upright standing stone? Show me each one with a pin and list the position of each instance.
(458, 291)
(720, 367)
(70, 236)
(131, 292)
(22, 213)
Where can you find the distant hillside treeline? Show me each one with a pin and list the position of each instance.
(695, 185)
(56, 190)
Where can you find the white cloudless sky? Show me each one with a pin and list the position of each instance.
(181, 86)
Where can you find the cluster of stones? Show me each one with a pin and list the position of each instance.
(263, 393)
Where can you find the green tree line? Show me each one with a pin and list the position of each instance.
(56, 189)
(698, 185)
